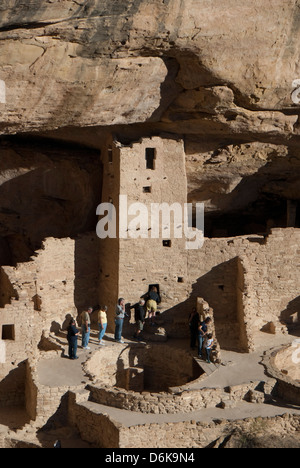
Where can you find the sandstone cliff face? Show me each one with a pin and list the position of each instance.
(221, 76)
(208, 67)
(225, 77)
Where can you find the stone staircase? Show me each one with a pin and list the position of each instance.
(209, 369)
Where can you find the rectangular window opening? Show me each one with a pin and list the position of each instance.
(150, 158)
(110, 155)
(154, 286)
(167, 243)
(8, 332)
(147, 189)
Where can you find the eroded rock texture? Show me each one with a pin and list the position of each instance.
(225, 77)
(219, 80)
(209, 66)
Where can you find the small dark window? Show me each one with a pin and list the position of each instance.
(153, 285)
(147, 189)
(167, 243)
(180, 279)
(110, 155)
(150, 158)
(8, 332)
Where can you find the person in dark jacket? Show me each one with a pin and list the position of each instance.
(152, 302)
(119, 319)
(72, 339)
(194, 324)
(202, 332)
(139, 316)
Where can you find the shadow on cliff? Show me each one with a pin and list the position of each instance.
(219, 289)
(13, 386)
(257, 204)
(291, 315)
(169, 89)
(87, 266)
(51, 190)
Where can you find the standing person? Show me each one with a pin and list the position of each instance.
(119, 319)
(193, 324)
(208, 346)
(86, 327)
(102, 320)
(202, 332)
(72, 339)
(153, 301)
(139, 316)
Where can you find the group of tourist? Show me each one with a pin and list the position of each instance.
(73, 332)
(142, 309)
(199, 332)
(146, 307)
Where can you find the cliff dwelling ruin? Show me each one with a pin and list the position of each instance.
(160, 103)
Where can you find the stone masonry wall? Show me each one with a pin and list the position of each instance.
(102, 430)
(141, 266)
(127, 267)
(41, 401)
(184, 401)
(270, 281)
(196, 434)
(92, 424)
(249, 281)
(44, 298)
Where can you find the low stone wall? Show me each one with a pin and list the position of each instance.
(107, 388)
(182, 402)
(41, 401)
(101, 430)
(196, 434)
(159, 403)
(94, 426)
(286, 388)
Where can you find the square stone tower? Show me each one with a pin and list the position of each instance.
(150, 172)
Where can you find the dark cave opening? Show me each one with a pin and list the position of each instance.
(47, 189)
(259, 218)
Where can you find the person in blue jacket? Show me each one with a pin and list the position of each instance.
(202, 332)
